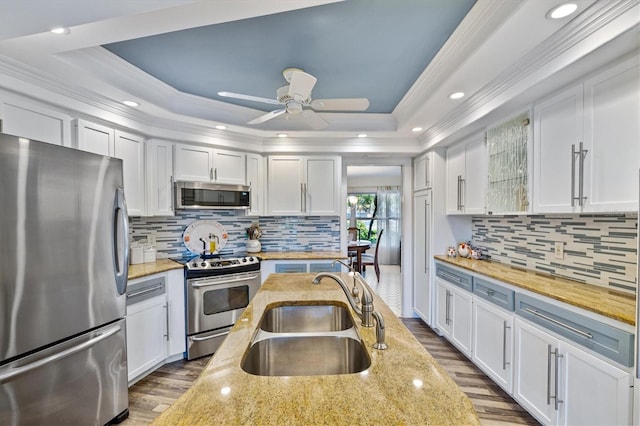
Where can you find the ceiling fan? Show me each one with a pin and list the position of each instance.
(296, 96)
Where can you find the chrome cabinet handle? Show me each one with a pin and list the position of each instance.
(559, 323)
(166, 306)
(556, 398)
(302, 197)
(215, 174)
(426, 239)
(462, 192)
(505, 327)
(447, 308)
(490, 292)
(211, 173)
(574, 153)
(171, 192)
(549, 374)
(581, 197)
(459, 192)
(144, 291)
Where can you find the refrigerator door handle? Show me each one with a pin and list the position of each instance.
(12, 373)
(120, 260)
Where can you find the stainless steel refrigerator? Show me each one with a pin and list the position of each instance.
(63, 278)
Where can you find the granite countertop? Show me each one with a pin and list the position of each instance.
(300, 255)
(609, 303)
(143, 269)
(404, 384)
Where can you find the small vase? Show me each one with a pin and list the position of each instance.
(253, 246)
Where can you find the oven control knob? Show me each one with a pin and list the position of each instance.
(194, 265)
(244, 260)
(251, 259)
(203, 264)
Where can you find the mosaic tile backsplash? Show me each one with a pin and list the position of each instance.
(317, 233)
(598, 249)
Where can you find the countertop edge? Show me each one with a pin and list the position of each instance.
(562, 289)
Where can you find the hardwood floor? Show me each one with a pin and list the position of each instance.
(156, 392)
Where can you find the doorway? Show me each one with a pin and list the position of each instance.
(374, 214)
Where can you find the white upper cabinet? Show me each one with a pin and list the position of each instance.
(467, 177)
(612, 136)
(229, 167)
(586, 150)
(159, 182)
(129, 148)
(422, 172)
(201, 164)
(256, 182)
(304, 185)
(34, 121)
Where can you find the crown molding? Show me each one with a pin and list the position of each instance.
(597, 25)
(482, 20)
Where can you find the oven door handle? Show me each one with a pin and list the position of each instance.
(213, 336)
(214, 283)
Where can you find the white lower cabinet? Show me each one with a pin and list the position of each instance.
(453, 315)
(493, 342)
(559, 383)
(156, 325)
(146, 335)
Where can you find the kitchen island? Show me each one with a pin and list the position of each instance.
(403, 385)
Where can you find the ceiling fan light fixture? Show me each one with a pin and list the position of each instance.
(456, 95)
(562, 11)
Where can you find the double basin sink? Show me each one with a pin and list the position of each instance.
(306, 340)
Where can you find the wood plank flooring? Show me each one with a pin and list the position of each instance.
(156, 392)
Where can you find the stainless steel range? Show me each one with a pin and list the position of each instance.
(218, 290)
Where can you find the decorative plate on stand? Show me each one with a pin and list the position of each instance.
(200, 235)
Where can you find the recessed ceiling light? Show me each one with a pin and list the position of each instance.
(362, 135)
(221, 127)
(416, 129)
(60, 30)
(130, 103)
(562, 11)
(282, 135)
(456, 95)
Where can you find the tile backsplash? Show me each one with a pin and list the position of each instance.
(293, 233)
(599, 249)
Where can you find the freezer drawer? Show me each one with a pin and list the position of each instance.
(81, 381)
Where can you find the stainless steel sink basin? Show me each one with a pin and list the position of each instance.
(301, 355)
(306, 318)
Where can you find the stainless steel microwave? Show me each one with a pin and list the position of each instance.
(204, 195)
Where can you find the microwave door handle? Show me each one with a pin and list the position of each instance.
(120, 259)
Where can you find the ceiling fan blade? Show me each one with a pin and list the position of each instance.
(343, 104)
(268, 116)
(301, 85)
(314, 120)
(249, 98)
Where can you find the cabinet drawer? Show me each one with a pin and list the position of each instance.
(285, 268)
(604, 339)
(494, 293)
(454, 276)
(324, 267)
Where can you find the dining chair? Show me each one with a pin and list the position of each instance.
(367, 259)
